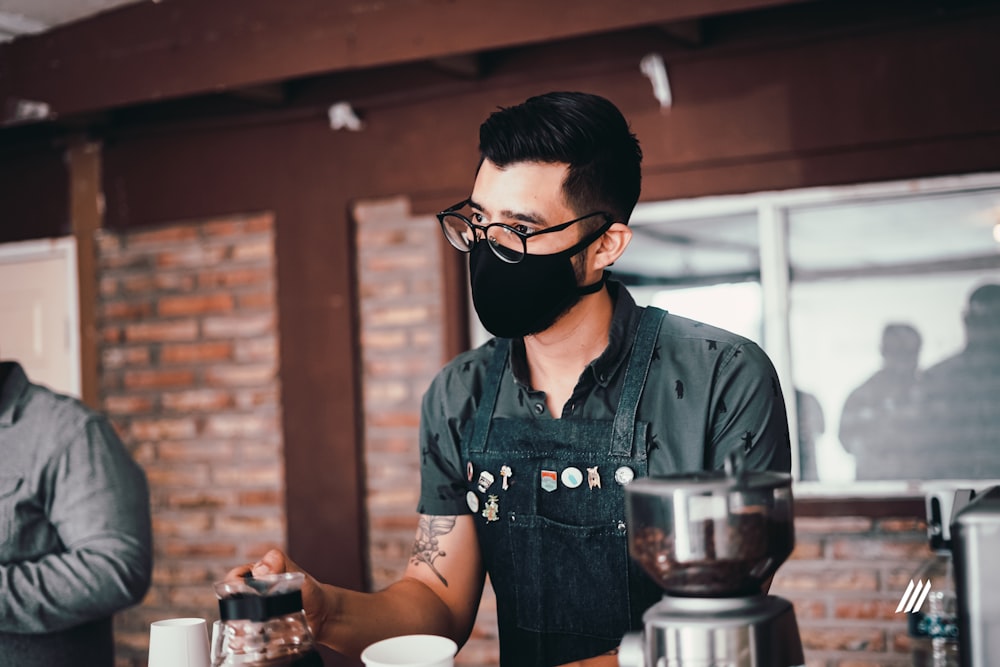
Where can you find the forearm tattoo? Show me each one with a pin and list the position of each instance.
(425, 546)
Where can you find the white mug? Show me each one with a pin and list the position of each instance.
(179, 642)
(411, 651)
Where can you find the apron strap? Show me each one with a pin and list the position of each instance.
(623, 433)
(488, 399)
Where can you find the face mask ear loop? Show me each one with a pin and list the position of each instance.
(596, 287)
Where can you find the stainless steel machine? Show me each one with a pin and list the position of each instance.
(711, 540)
(975, 544)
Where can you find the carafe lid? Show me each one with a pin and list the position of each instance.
(260, 598)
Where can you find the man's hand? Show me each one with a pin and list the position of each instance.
(276, 562)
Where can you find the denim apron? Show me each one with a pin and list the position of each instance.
(550, 519)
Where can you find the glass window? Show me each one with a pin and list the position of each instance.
(879, 304)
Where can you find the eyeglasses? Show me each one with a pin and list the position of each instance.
(506, 242)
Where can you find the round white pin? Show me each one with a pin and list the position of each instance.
(624, 475)
(571, 477)
(472, 500)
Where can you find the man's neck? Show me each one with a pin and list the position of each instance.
(557, 356)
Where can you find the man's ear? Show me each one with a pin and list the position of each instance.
(612, 244)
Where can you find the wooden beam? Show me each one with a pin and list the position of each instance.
(86, 216)
(175, 48)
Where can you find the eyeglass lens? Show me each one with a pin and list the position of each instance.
(504, 243)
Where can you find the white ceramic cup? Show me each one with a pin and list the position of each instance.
(411, 651)
(179, 642)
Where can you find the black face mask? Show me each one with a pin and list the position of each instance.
(515, 300)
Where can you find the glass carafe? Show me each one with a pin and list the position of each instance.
(262, 623)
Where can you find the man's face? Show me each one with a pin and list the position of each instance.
(527, 196)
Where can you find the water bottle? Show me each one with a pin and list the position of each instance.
(933, 628)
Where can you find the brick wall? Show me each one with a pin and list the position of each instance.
(845, 577)
(402, 338)
(188, 345)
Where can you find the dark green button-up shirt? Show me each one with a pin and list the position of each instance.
(708, 391)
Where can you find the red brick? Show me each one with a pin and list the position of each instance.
(249, 524)
(253, 250)
(188, 476)
(117, 357)
(268, 475)
(256, 349)
(198, 499)
(232, 376)
(238, 326)
(811, 579)
(154, 379)
(807, 550)
(234, 277)
(186, 549)
(162, 236)
(126, 310)
(196, 304)
(401, 316)
(255, 300)
(128, 405)
(192, 256)
(194, 353)
(176, 330)
(902, 526)
(194, 451)
(828, 525)
(842, 639)
(224, 227)
(197, 400)
(884, 610)
(263, 498)
(263, 222)
(187, 524)
(174, 282)
(163, 429)
(238, 425)
(879, 549)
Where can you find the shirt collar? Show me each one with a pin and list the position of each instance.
(13, 384)
(624, 324)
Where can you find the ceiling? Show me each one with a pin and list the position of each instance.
(29, 17)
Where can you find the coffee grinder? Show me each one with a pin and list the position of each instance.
(710, 540)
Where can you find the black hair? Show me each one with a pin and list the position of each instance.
(585, 131)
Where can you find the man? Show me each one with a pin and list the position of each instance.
(528, 441)
(75, 537)
(876, 423)
(957, 431)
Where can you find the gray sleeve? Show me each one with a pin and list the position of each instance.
(99, 505)
(754, 418)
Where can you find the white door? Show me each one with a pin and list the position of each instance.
(39, 315)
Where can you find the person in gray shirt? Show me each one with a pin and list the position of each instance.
(75, 529)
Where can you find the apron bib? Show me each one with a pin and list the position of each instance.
(548, 498)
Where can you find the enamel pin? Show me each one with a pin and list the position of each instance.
(485, 480)
(571, 477)
(624, 475)
(549, 480)
(472, 500)
(492, 510)
(505, 472)
(593, 478)
(468, 471)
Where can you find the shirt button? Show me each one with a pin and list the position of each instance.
(602, 377)
(539, 408)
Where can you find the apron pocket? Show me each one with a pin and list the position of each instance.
(585, 591)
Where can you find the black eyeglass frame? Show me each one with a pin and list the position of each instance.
(524, 236)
